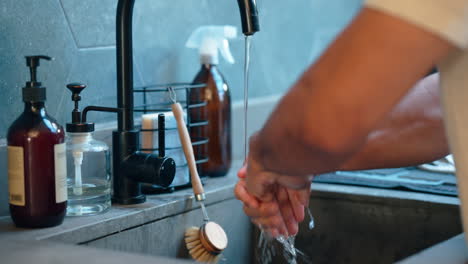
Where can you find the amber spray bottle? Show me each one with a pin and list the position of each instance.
(209, 40)
(36, 160)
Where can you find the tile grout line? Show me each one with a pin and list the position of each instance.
(69, 24)
(139, 73)
(93, 48)
(75, 39)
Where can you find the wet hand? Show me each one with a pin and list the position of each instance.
(279, 210)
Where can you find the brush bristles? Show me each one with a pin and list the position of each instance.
(196, 249)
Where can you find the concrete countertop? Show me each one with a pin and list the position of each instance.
(80, 230)
(59, 244)
(44, 252)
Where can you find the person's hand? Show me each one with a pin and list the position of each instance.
(279, 210)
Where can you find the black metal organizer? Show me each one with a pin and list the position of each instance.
(155, 99)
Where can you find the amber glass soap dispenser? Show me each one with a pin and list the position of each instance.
(36, 160)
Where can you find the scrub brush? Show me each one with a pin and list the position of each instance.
(206, 243)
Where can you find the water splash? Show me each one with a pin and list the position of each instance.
(269, 248)
(266, 250)
(289, 250)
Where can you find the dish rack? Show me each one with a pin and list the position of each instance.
(155, 99)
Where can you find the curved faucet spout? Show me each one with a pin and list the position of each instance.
(125, 141)
(249, 16)
(250, 25)
(124, 64)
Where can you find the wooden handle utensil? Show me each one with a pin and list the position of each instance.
(188, 151)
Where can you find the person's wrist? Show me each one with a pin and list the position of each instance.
(257, 149)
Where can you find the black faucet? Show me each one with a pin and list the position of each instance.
(130, 166)
(249, 16)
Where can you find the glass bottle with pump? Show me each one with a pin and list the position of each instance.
(216, 94)
(36, 160)
(89, 181)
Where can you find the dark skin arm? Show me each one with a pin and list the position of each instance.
(329, 119)
(327, 116)
(411, 134)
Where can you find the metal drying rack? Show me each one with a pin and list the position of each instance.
(155, 99)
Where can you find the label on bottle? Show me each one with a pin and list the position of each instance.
(16, 176)
(60, 160)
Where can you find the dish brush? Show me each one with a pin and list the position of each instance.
(204, 243)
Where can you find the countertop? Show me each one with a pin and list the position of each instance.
(45, 252)
(59, 244)
(79, 230)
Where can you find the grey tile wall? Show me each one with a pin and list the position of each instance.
(91, 22)
(80, 36)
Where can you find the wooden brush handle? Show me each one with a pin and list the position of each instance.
(188, 151)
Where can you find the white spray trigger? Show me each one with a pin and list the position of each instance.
(230, 32)
(210, 39)
(226, 52)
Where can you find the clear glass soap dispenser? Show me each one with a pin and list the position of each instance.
(88, 161)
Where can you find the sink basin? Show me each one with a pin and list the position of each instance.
(367, 225)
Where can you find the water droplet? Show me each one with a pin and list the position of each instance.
(311, 219)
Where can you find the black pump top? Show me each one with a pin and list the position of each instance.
(77, 126)
(33, 91)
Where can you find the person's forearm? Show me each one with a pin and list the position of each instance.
(327, 115)
(413, 132)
